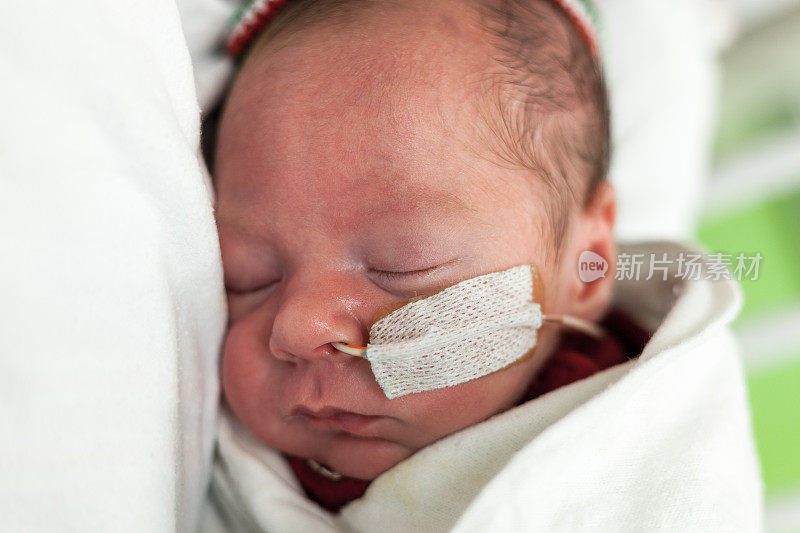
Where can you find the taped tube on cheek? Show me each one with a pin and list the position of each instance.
(464, 332)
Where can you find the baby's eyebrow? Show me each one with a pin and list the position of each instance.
(435, 202)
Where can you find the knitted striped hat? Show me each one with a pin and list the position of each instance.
(254, 15)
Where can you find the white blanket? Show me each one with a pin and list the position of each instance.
(660, 443)
(113, 307)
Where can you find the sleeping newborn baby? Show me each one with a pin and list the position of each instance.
(374, 152)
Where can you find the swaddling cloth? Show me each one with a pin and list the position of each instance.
(466, 331)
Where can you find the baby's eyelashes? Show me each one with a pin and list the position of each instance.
(397, 274)
(415, 280)
(234, 289)
(245, 298)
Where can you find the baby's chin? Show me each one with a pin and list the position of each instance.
(361, 457)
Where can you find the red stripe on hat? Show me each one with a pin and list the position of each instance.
(244, 34)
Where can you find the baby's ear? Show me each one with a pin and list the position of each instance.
(592, 257)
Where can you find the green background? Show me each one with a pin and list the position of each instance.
(754, 206)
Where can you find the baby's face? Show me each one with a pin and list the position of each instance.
(347, 184)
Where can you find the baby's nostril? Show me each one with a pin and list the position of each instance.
(282, 355)
(286, 358)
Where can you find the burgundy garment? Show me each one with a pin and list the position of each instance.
(330, 494)
(577, 357)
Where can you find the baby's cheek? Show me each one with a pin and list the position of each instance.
(441, 412)
(244, 376)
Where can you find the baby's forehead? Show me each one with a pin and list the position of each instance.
(386, 95)
(390, 108)
(375, 61)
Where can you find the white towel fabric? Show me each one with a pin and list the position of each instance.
(660, 443)
(205, 23)
(661, 67)
(113, 307)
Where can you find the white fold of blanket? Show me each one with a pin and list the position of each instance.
(113, 307)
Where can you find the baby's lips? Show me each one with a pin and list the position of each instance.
(338, 419)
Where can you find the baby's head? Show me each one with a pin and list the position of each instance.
(370, 151)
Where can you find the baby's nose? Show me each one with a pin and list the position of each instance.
(310, 316)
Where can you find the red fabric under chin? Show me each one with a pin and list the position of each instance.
(330, 494)
(577, 357)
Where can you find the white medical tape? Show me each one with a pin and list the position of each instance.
(464, 332)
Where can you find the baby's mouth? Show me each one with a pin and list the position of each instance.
(331, 418)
